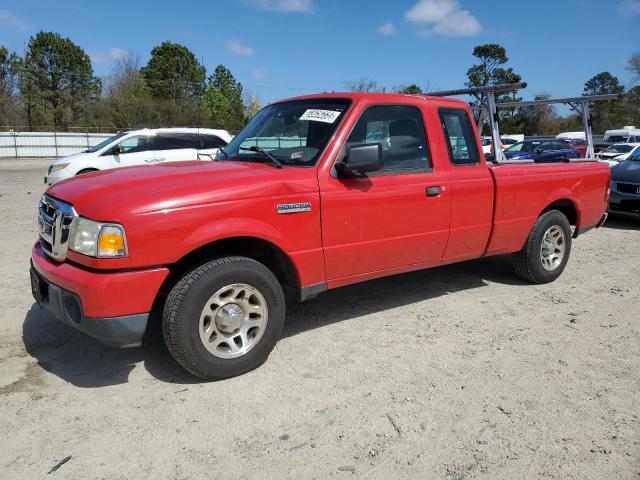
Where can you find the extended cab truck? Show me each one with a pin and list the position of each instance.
(377, 184)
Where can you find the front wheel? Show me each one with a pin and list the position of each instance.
(546, 252)
(224, 317)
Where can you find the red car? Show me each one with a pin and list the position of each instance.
(578, 144)
(315, 193)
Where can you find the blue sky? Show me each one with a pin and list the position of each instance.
(282, 48)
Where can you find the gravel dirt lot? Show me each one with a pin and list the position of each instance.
(459, 372)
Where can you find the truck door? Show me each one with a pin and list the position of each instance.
(392, 218)
(471, 186)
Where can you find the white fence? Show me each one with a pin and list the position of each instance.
(47, 144)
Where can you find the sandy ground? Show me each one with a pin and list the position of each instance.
(459, 372)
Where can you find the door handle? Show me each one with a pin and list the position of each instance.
(160, 159)
(435, 191)
(149, 160)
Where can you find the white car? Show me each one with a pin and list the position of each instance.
(572, 135)
(617, 152)
(142, 147)
(628, 134)
(506, 140)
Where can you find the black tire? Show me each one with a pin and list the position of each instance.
(527, 262)
(86, 170)
(181, 316)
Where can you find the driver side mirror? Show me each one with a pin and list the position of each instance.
(118, 150)
(538, 151)
(361, 159)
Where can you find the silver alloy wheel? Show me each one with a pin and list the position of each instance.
(233, 320)
(552, 248)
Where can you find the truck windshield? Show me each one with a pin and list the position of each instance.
(295, 132)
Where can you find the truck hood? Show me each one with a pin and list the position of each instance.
(626, 171)
(111, 195)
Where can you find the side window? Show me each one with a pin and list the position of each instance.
(137, 143)
(400, 131)
(460, 136)
(211, 141)
(175, 141)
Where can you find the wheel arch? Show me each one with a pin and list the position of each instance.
(567, 207)
(86, 170)
(258, 249)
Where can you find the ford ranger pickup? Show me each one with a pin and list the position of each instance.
(316, 192)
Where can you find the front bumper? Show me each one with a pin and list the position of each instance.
(119, 332)
(54, 177)
(623, 201)
(112, 307)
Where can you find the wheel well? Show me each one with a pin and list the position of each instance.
(567, 207)
(257, 249)
(87, 170)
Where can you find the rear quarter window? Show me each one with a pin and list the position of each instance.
(460, 136)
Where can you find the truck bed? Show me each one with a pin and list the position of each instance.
(523, 189)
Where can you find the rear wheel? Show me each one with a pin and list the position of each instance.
(546, 252)
(224, 317)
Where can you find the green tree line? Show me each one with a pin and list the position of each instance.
(53, 86)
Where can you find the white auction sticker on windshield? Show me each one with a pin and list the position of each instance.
(316, 115)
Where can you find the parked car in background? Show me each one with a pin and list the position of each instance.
(580, 135)
(580, 144)
(628, 134)
(625, 184)
(506, 140)
(541, 150)
(617, 152)
(141, 147)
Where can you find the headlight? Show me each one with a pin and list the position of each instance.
(95, 239)
(57, 166)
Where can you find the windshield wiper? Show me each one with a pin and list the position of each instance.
(273, 160)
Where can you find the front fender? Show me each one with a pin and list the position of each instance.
(234, 227)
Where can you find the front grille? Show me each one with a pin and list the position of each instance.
(628, 188)
(54, 224)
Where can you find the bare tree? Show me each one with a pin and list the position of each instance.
(363, 84)
(633, 65)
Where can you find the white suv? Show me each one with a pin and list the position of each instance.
(142, 147)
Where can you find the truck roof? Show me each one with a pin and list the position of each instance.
(375, 96)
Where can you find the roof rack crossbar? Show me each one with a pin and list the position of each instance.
(579, 105)
(583, 99)
(503, 87)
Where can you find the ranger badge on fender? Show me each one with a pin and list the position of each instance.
(293, 207)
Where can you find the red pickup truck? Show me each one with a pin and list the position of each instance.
(315, 193)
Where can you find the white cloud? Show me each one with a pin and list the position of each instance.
(259, 74)
(444, 17)
(629, 8)
(9, 20)
(237, 48)
(105, 57)
(386, 29)
(296, 6)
